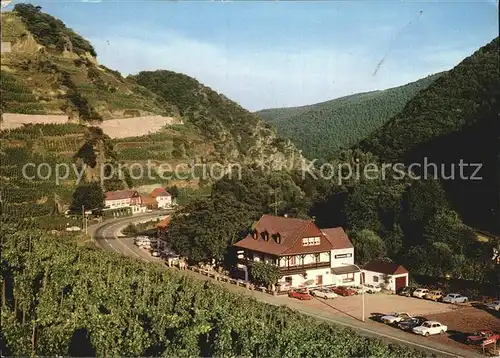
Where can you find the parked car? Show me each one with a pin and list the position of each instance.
(395, 317)
(495, 305)
(358, 289)
(483, 337)
(406, 291)
(420, 292)
(372, 288)
(324, 293)
(434, 295)
(300, 294)
(156, 253)
(430, 327)
(410, 323)
(344, 291)
(454, 298)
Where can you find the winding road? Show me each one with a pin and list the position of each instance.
(106, 236)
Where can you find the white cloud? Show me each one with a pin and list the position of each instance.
(272, 78)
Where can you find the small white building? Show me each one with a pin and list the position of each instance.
(306, 255)
(385, 274)
(124, 199)
(163, 198)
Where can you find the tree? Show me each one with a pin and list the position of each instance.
(367, 246)
(208, 227)
(361, 208)
(174, 191)
(264, 273)
(89, 196)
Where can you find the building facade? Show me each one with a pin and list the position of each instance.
(306, 255)
(388, 275)
(163, 198)
(124, 199)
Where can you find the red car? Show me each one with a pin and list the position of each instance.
(344, 291)
(300, 294)
(483, 337)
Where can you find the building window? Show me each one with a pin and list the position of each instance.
(349, 277)
(291, 260)
(375, 278)
(311, 241)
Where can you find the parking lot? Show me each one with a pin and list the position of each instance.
(379, 304)
(461, 320)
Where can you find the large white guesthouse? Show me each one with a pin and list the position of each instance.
(306, 255)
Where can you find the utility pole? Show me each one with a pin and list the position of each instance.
(275, 204)
(84, 221)
(275, 192)
(362, 289)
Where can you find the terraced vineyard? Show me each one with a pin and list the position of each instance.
(32, 194)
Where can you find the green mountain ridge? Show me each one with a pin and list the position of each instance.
(321, 129)
(454, 119)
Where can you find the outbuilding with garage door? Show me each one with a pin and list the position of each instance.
(385, 274)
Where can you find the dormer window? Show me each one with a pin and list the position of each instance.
(311, 241)
(255, 234)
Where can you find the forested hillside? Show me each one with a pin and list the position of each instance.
(237, 134)
(321, 129)
(456, 118)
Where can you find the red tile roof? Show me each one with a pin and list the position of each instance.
(338, 238)
(121, 194)
(159, 192)
(290, 231)
(164, 223)
(388, 268)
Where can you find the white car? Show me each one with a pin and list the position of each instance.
(359, 289)
(455, 298)
(494, 306)
(372, 288)
(324, 293)
(395, 317)
(155, 253)
(430, 327)
(420, 292)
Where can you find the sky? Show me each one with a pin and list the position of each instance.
(266, 54)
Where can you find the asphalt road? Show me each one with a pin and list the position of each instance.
(106, 236)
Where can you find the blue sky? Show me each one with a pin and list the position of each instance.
(273, 54)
